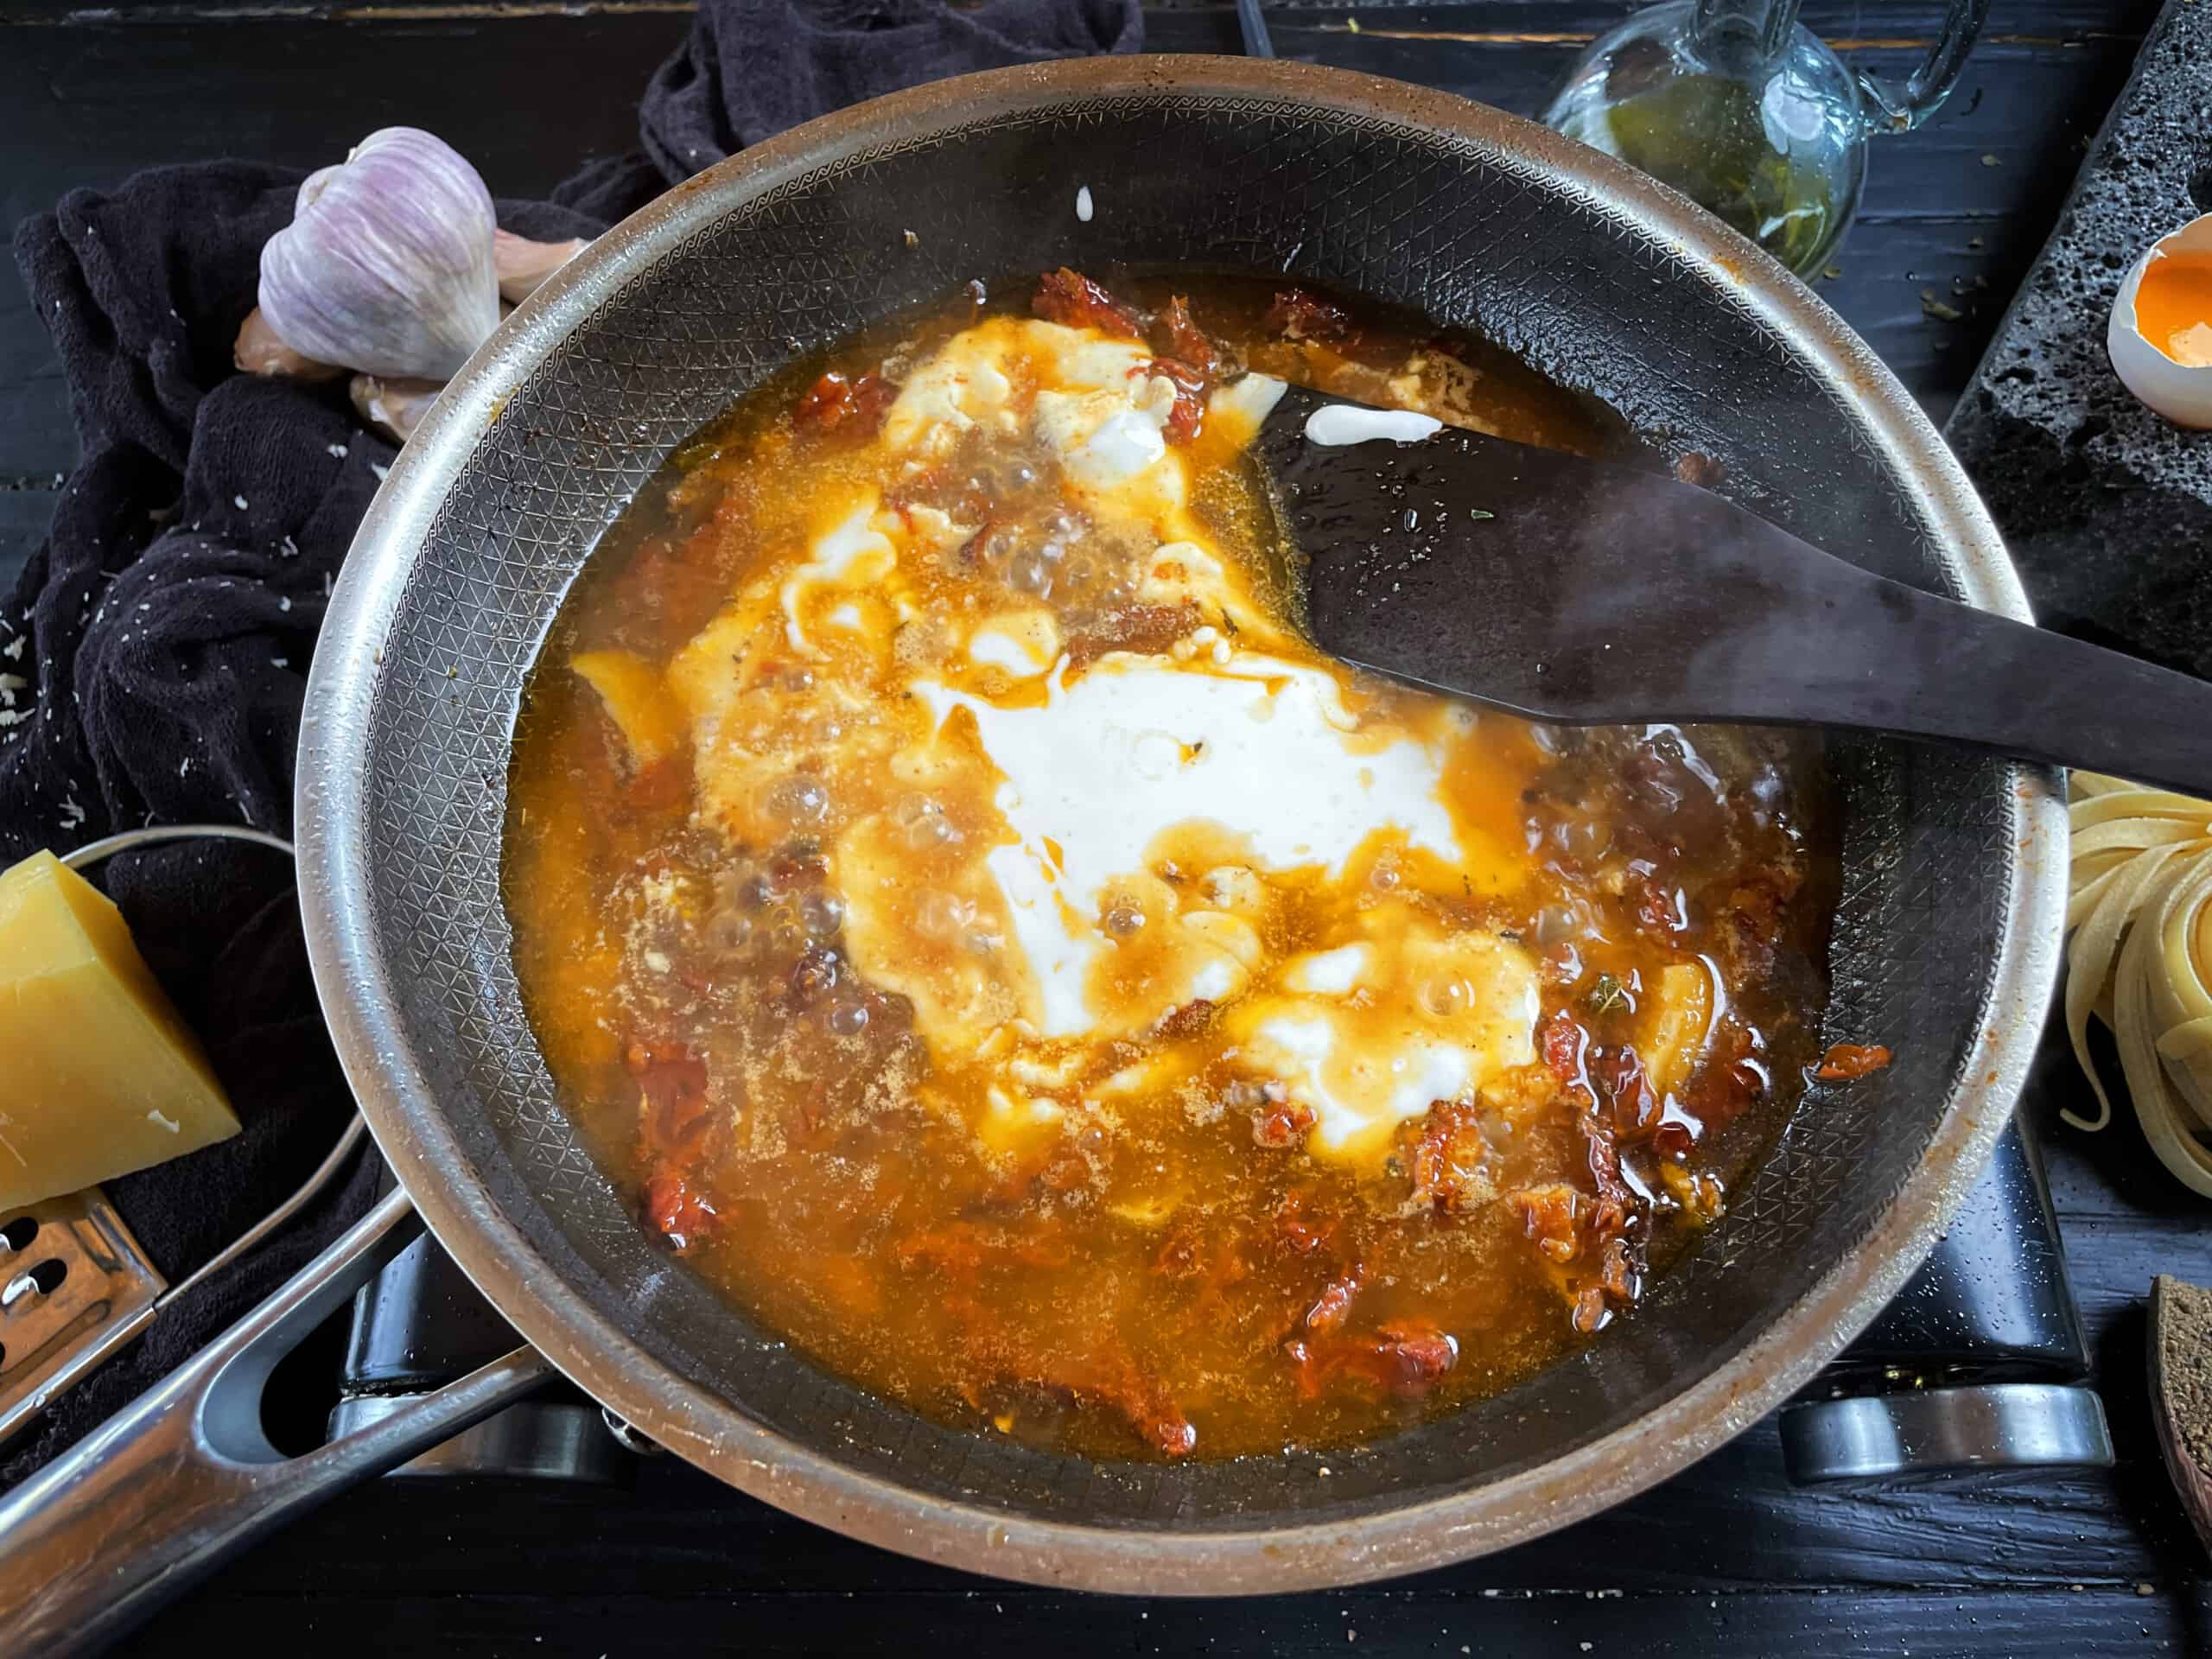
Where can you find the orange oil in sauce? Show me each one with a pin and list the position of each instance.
(1187, 1280)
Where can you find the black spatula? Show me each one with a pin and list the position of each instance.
(1584, 592)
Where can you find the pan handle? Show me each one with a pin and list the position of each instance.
(183, 1478)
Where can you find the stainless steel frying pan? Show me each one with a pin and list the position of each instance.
(1945, 946)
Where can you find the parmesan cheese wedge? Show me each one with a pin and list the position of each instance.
(105, 1076)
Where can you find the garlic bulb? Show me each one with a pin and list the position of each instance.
(387, 265)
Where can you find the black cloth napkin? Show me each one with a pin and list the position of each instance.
(157, 646)
(750, 71)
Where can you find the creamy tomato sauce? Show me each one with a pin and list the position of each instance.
(992, 944)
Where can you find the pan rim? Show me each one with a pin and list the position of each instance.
(716, 1435)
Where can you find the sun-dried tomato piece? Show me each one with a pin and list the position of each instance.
(1619, 1076)
(1334, 1305)
(794, 864)
(1419, 1353)
(672, 1087)
(1661, 911)
(1097, 1369)
(1296, 1228)
(850, 405)
(956, 1249)
(1189, 413)
(1564, 1042)
(1615, 1201)
(1070, 298)
(1617, 1274)
(1175, 335)
(1846, 1062)
(1753, 911)
(1590, 1314)
(1169, 1432)
(1447, 1156)
(961, 1249)
(677, 1210)
(1059, 1168)
(1281, 1124)
(1108, 1376)
(1727, 1082)
(1405, 1358)
(1178, 1256)
(1551, 1216)
(1299, 313)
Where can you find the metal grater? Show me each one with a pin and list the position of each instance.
(75, 1287)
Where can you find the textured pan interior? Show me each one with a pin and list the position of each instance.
(1454, 221)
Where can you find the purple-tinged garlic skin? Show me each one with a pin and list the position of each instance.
(522, 264)
(387, 265)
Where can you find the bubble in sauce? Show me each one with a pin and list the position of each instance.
(799, 799)
(1446, 997)
(923, 822)
(1122, 919)
(1032, 572)
(821, 914)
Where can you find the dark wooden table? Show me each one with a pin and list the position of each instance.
(1726, 1558)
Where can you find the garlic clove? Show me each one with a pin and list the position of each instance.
(387, 264)
(523, 264)
(395, 408)
(259, 352)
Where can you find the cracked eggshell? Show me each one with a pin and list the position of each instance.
(2180, 391)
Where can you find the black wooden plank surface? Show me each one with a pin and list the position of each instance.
(2095, 1622)
(1724, 1558)
(24, 516)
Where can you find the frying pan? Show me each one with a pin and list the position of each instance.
(1945, 944)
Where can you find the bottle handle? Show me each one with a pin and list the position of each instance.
(1892, 107)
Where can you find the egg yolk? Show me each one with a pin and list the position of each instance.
(2173, 308)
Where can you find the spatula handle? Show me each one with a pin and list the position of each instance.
(1937, 669)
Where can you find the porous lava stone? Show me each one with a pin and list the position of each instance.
(2107, 507)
